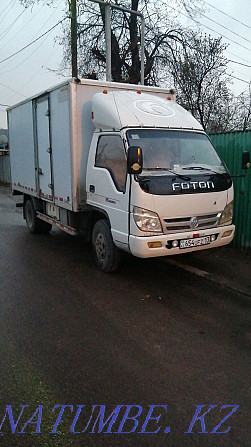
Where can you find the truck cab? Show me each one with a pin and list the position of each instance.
(180, 198)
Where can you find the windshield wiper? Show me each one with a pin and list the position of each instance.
(199, 168)
(183, 177)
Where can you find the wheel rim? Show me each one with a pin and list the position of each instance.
(100, 247)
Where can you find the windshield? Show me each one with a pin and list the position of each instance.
(176, 151)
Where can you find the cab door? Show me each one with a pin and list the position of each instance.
(107, 185)
(44, 161)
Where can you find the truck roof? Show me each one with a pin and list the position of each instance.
(118, 105)
(114, 110)
(99, 84)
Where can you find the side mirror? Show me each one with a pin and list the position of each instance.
(134, 160)
(245, 163)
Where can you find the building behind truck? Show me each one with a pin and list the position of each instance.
(125, 166)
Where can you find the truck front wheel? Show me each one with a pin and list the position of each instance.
(106, 254)
(34, 224)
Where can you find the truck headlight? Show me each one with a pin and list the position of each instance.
(227, 215)
(146, 220)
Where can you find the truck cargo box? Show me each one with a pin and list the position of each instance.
(50, 136)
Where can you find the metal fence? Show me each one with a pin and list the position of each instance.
(230, 147)
(5, 168)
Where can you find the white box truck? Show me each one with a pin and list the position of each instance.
(123, 164)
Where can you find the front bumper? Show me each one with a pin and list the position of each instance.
(139, 245)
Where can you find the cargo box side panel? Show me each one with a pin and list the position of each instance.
(22, 153)
(84, 134)
(61, 147)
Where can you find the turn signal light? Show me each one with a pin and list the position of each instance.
(227, 233)
(156, 244)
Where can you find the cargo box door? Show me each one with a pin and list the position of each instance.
(44, 148)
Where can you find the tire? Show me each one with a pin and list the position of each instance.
(106, 254)
(34, 224)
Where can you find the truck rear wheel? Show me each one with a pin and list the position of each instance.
(34, 224)
(106, 254)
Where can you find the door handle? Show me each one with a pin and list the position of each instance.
(92, 188)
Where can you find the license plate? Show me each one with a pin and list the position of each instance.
(186, 243)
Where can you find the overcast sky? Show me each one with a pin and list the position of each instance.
(32, 70)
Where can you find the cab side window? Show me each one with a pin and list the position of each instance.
(111, 156)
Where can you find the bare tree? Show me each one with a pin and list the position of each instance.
(174, 56)
(243, 110)
(161, 28)
(198, 67)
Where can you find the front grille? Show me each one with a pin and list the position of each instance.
(183, 223)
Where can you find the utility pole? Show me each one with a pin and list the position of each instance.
(108, 5)
(108, 39)
(74, 56)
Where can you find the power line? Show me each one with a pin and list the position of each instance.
(205, 26)
(238, 57)
(31, 43)
(15, 91)
(39, 69)
(230, 75)
(28, 57)
(239, 63)
(222, 35)
(3, 11)
(239, 79)
(225, 27)
(47, 20)
(6, 7)
(197, 22)
(239, 72)
(10, 26)
(10, 5)
(222, 12)
(25, 25)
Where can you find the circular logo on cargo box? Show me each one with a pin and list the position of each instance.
(152, 107)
